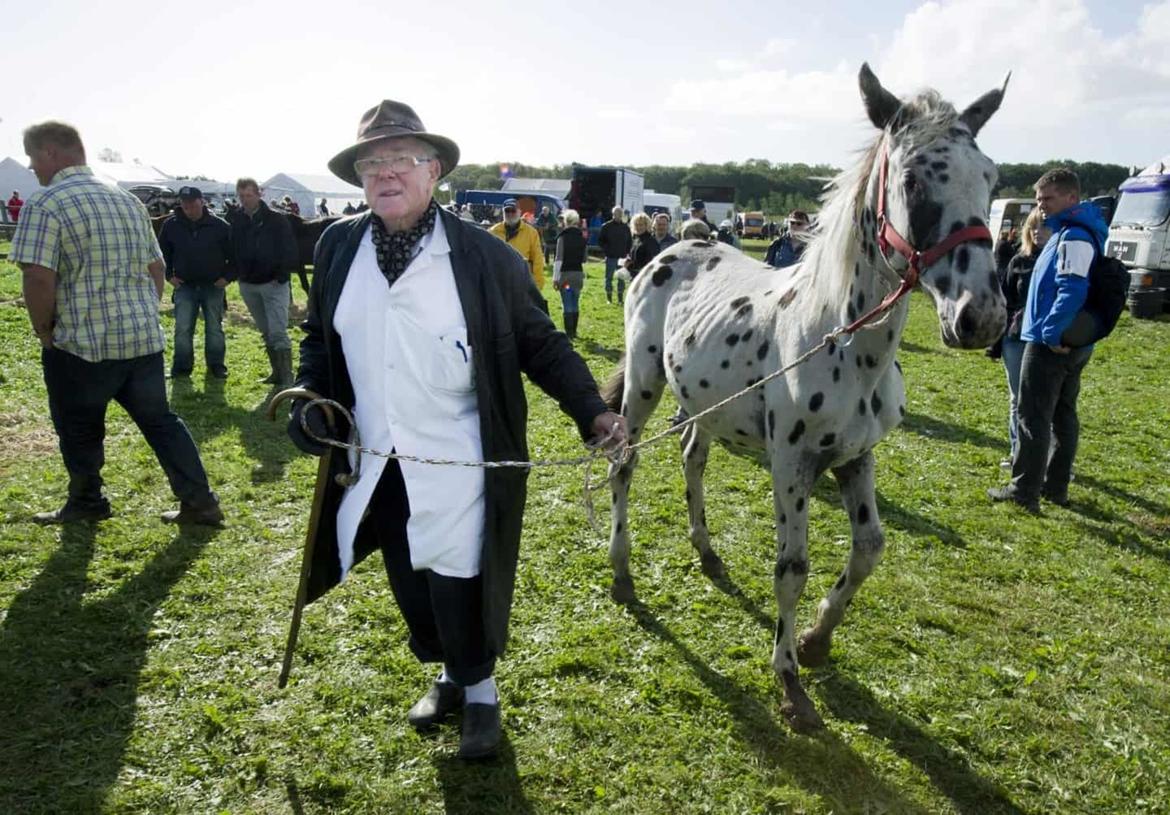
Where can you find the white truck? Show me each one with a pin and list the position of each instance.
(594, 190)
(1139, 235)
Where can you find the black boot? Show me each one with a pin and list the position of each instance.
(273, 376)
(571, 321)
(283, 368)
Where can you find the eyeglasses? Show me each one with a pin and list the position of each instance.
(399, 165)
(509, 209)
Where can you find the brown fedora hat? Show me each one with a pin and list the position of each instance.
(391, 120)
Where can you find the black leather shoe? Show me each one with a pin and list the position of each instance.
(1009, 493)
(72, 514)
(481, 731)
(210, 515)
(443, 699)
(1060, 499)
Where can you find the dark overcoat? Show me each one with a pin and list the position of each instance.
(510, 334)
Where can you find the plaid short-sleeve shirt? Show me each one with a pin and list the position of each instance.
(98, 240)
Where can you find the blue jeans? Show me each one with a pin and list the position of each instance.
(611, 265)
(189, 299)
(79, 392)
(1013, 355)
(570, 300)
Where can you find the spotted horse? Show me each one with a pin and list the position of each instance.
(708, 321)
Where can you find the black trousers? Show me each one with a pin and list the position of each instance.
(1048, 426)
(444, 614)
(79, 392)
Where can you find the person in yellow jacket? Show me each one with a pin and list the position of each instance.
(522, 237)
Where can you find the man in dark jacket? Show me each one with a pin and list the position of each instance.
(787, 249)
(614, 240)
(197, 248)
(266, 256)
(422, 324)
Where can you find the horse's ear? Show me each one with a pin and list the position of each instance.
(881, 105)
(979, 111)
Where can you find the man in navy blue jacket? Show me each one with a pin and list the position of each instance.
(1050, 374)
(197, 248)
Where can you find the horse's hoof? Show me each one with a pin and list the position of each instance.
(802, 716)
(813, 650)
(712, 566)
(622, 590)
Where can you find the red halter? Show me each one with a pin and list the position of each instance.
(889, 238)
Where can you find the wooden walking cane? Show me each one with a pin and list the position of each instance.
(323, 466)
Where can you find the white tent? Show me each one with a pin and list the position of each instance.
(556, 187)
(308, 189)
(131, 175)
(14, 175)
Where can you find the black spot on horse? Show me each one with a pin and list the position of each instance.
(938, 165)
(791, 490)
(943, 178)
(779, 631)
(713, 262)
(814, 404)
(663, 274)
(857, 269)
(975, 220)
(890, 335)
(762, 351)
(962, 259)
(653, 349)
(924, 222)
(677, 368)
(739, 432)
(797, 432)
(783, 518)
(863, 514)
(685, 393)
(732, 339)
(860, 300)
(744, 310)
(647, 395)
(921, 159)
(725, 364)
(703, 383)
(943, 284)
(668, 259)
(875, 404)
(840, 584)
(861, 406)
(851, 311)
(739, 301)
(898, 365)
(858, 360)
(747, 335)
(771, 424)
(870, 361)
(956, 226)
(828, 439)
(799, 506)
(690, 340)
(836, 374)
(901, 410)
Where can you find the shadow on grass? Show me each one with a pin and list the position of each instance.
(598, 350)
(823, 765)
(951, 774)
(1114, 491)
(935, 429)
(208, 412)
(69, 672)
(920, 526)
(915, 348)
(474, 787)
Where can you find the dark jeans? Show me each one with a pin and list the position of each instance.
(189, 300)
(1047, 408)
(79, 392)
(444, 614)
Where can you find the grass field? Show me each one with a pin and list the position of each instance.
(994, 663)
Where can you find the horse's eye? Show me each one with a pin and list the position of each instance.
(911, 182)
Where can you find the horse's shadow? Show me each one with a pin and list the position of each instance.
(935, 429)
(69, 671)
(491, 785)
(597, 349)
(950, 773)
(817, 764)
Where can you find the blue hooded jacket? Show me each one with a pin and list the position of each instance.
(1054, 299)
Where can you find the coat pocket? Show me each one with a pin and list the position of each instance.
(446, 362)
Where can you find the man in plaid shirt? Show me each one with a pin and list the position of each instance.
(93, 276)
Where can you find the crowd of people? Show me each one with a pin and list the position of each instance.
(422, 323)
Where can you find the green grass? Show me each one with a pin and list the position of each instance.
(994, 663)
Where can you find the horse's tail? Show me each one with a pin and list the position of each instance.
(615, 387)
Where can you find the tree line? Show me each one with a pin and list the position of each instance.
(777, 188)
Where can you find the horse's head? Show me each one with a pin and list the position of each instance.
(938, 183)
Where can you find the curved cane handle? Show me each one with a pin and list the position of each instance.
(317, 400)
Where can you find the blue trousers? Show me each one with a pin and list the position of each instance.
(79, 392)
(611, 265)
(189, 300)
(570, 300)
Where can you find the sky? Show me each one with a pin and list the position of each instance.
(248, 88)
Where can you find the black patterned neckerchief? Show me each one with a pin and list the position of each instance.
(511, 230)
(395, 250)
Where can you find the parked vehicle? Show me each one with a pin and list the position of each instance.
(1007, 214)
(753, 225)
(1139, 235)
(600, 189)
(656, 202)
(720, 201)
(483, 202)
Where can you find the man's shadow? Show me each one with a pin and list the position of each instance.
(69, 672)
(207, 413)
(491, 785)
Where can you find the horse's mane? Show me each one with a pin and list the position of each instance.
(834, 247)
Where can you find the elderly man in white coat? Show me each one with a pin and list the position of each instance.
(423, 324)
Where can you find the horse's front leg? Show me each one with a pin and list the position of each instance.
(790, 493)
(857, 494)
